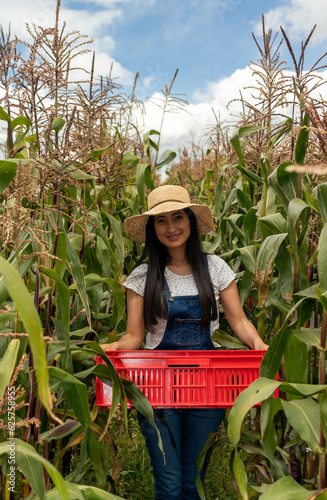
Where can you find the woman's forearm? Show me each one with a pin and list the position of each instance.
(128, 342)
(247, 333)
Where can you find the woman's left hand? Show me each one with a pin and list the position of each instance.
(235, 315)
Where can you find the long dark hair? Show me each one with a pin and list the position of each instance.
(157, 256)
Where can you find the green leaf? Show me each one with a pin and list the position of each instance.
(240, 475)
(108, 375)
(284, 129)
(302, 141)
(93, 493)
(32, 323)
(7, 365)
(303, 415)
(272, 359)
(249, 175)
(236, 143)
(250, 225)
(323, 412)
(309, 337)
(322, 260)
(30, 463)
(61, 262)
(96, 452)
(130, 159)
(201, 461)
(117, 230)
(97, 153)
(232, 221)
(148, 143)
(248, 130)
(226, 340)
(60, 431)
(297, 210)
(141, 403)
(321, 195)
(57, 124)
(167, 157)
(143, 176)
(243, 200)
(269, 409)
(119, 298)
(78, 277)
(259, 390)
(24, 264)
(4, 115)
(102, 253)
(248, 257)
(76, 394)
(283, 183)
(296, 359)
(7, 173)
(62, 313)
(286, 488)
(265, 262)
(275, 223)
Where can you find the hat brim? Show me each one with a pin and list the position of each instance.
(135, 226)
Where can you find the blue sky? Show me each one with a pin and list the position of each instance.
(209, 41)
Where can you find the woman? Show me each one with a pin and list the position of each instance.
(173, 294)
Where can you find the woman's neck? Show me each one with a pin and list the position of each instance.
(179, 263)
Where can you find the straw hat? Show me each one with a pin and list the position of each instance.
(168, 199)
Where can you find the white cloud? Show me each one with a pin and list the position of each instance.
(93, 22)
(297, 18)
(42, 13)
(184, 127)
(149, 81)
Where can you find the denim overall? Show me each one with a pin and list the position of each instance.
(183, 431)
(184, 330)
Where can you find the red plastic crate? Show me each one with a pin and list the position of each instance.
(184, 379)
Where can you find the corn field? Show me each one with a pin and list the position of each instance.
(75, 166)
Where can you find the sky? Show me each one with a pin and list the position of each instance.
(209, 41)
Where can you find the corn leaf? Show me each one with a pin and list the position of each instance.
(76, 394)
(286, 488)
(32, 323)
(167, 157)
(78, 277)
(30, 463)
(259, 390)
(297, 210)
(302, 141)
(4, 115)
(143, 176)
(7, 365)
(321, 195)
(7, 173)
(303, 415)
(240, 475)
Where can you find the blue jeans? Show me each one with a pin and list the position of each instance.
(184, 433)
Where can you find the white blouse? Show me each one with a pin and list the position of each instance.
(221, 276)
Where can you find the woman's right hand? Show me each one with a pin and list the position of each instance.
(109, 347)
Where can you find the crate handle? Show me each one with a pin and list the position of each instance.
(183, 366)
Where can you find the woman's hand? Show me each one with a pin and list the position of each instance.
(239, 323)
(110, 347)
(259, 345)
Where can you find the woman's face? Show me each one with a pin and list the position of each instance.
(172, 228)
